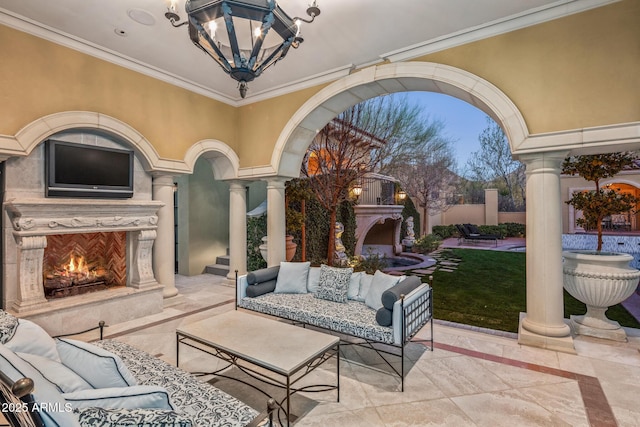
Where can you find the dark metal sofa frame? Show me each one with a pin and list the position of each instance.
(413, 320)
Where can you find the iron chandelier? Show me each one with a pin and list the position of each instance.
(245, 37)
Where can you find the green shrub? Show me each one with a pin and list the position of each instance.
(256, 230)
(515, 229)
(445, 231)
(427, 244)
(499, 230)
(369, 263)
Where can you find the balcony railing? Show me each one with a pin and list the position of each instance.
(377, 190)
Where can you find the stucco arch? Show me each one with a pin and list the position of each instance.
(390, 78)
(224, 160)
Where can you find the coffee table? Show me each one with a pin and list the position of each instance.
(271, 351)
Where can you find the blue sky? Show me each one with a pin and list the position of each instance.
(463, 122)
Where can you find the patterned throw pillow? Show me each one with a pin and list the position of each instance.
(334, 283)
(8, 325)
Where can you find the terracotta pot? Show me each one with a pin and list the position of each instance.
(290, 247)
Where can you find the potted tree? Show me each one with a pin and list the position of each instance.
(597, 278)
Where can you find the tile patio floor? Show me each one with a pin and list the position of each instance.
(471, 379)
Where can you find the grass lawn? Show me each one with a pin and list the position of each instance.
(488, 290)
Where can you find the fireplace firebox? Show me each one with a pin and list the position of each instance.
(75, 264)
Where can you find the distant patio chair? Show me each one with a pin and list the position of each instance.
(471, 233)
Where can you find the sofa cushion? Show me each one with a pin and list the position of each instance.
(353, 317)
(98, 367)
(133, 397)
(63, 378)
(380, 283)
(404, 287)
(263, 275)
(260, 288)
(8, 325)
(384, 317)
(354, 285)
(313, 280)
(334, 283)
(101, 417)
(292, 278)
(365, 285)
(57, 413)
(204, 403)
(31, 338)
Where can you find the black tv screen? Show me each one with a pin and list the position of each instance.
(75, 170)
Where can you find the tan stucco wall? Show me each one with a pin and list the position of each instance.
(579, 71)
(261, 123)
(574, 72)
(38, 78)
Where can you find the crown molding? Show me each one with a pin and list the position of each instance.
(38, 29)
(525, 19)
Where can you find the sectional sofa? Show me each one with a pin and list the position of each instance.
(71, 383)
(379, 309)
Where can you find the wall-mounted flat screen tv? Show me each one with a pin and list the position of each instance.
(76, 170)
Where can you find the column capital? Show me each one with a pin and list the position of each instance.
(162, 179)
(543, 160)
(276, 182)
(237, 184)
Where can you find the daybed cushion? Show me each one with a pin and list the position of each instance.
(380, 283)
(261, 288)
(263, 275)
(57, 413)
(205, 404)
(365, 285)
(353, 317)
(384, 317)
(334, 283)
(100, 368)
(63, 378)
(100, 417)
(134, 397)
(313, 280)
(8, 325)
(31, 338)
(292, 278)
(391, 295)
(354, 285)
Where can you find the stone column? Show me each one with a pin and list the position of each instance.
(276, 222)
(164, 248)
(543, 324)
(30, 260)
(237, 228)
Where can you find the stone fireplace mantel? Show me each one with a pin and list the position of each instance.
(35, 217)
(32, 220)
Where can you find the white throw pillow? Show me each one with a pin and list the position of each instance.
(56, 373)
(354, 285)
(31, 338)
(58, 412)
(99, 367)
(292, 278)
(134, 397)
(380, 283)
(313, 281)
(365, 285)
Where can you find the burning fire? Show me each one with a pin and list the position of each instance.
(78, 267)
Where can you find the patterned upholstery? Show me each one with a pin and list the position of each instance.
(8, 325)
(352, 318)
(206, 405)
(334, 283)
(99, 417)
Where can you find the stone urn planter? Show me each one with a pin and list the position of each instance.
(290, 247)
(599, 280)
